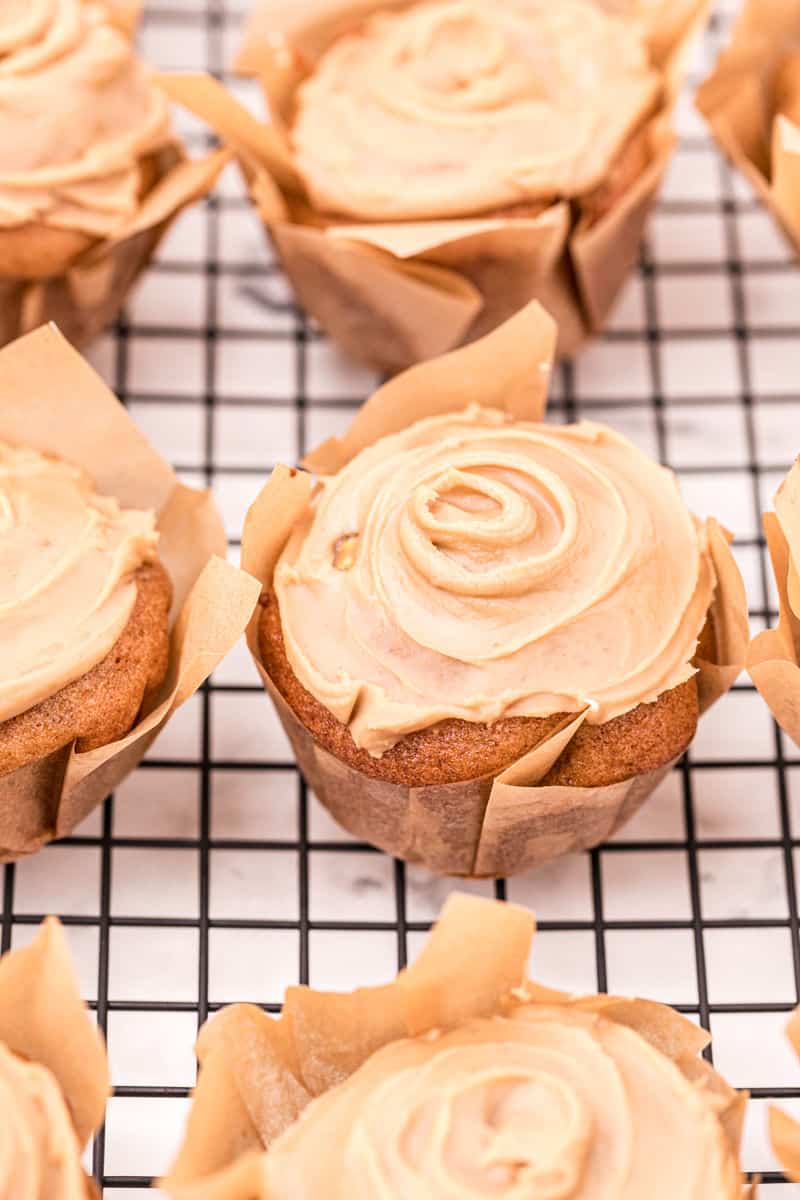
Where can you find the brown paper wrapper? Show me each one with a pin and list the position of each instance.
(490, 826)
(86, 297)
(740, 101)
(395, 294)
(773, 657)
(54, 402)
(258, 1073)
(43, 1019)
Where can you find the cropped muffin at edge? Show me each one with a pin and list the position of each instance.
(53, 1073)
(84, 604)
(80, 122)
(460, 1078)
(464, 588)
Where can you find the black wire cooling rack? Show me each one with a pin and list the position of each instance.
(212, 876)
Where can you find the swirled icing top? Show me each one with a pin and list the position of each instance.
(463, 106)
(66, 559)
(474, 567)
(77, 114)
(40, 1157)
(546, 1104)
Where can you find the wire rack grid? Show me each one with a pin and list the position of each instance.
(212, 876)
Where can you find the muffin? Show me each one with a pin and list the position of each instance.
(87, 184)
(751, 101)
(470, 599)
(114, 606)
(773, 658)
(783, 1130)
(460, 1078)
(84, 604)
(53, 1073)
(431, 167)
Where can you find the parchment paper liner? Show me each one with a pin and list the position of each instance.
(43, 1019)
(52, 400)
(394, 294)
(490, 826)
(773, 657)
(258, 1073)
(88, 296)
(738, 101)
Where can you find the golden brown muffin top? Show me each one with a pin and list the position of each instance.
(454, 107)
(77, 114)
(476, 567)
(67, 557)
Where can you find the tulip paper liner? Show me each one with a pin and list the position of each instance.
(44, 1020)
(53, 401)
(258, 1073)
(487, 826)
(773, 658)
(395, 294)
(738, 100)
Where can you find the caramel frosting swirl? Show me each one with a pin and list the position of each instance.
(67, 556)
(40, 1156)
(78, 112)
(548, 1103)
(462, 106)
(475, 567)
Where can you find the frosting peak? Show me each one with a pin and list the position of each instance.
(461, 106)
(67, 556)
(40, 1157)
(492, 568)
(547, 1103)
(77, 114)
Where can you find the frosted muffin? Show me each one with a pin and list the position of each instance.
(115, 602)
(751, 101)
(479, 597)
(773, 658)
(53, 1073)
(431, 167)
(85, 139)
(459, 1079)
(467, 586)
(84, 603)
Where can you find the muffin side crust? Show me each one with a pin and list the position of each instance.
(452, 751)
(104, 703)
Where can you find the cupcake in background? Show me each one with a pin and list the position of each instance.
(431, 167)
(90, 170)
(464, 624)
(751, 101)
(54, 1079)
(773, 658)
(459, 1078)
